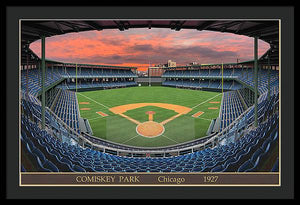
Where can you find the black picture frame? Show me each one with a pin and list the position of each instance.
(10, 145)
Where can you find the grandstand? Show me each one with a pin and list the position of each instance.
(52, 137)
(66, 108)
(234, 78)
(232, 107)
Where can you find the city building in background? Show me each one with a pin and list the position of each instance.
(157, 70)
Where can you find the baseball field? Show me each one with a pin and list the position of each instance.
(149, 116)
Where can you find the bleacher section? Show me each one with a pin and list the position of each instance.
(52, 101)
(232, 107)
(197, 84)
(262, 79)
(66, 108)
(33, 77)
(237, 75)
(93, 73)
(103, 85)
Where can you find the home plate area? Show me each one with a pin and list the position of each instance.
(150, 128)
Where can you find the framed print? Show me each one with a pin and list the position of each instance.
(157, 102)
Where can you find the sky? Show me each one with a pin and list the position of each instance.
(142, 47)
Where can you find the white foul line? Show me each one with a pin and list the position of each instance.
(206, 101)
(130, 139)
(204, 119)
(169, 138)
(93, 100)
(96, 118)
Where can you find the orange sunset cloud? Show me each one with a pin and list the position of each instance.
(141, 47)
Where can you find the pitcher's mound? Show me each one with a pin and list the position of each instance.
(150, 112)
(150, 129)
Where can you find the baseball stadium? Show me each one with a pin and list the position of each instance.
(220, 117)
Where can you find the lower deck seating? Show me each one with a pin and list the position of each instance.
(103, 85)
(232, 108)
(66, 108)
(31, 80)
(217, 84)
(245, 76)
(50, 154)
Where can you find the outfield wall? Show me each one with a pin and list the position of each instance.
(153, 81)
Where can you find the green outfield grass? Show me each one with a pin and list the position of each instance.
(118, 129)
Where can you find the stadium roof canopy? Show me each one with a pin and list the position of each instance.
(266, 30)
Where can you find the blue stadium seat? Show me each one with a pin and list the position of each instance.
(23, 169)
(275, 167)
(40, 155)
(255, 165)
(245, 166)
(256, 155)
(50, 166)
(77, 168)
(218, 168)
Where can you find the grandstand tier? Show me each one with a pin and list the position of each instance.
(234, 78)
(67, 79)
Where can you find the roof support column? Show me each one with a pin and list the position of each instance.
(255, 78)
(43, 81)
